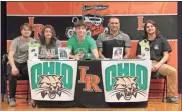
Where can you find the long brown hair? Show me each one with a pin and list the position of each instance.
(154, 24)
(53, 39)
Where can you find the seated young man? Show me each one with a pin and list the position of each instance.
(159, 54)
(80, 43)
(18, 56)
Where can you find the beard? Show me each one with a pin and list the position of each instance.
(26, 36)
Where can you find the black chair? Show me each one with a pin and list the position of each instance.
(158, 76)
(4, 75)
(3, 78)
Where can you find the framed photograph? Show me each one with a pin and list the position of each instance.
(33, 53)
(117, 53)
(145, 52)
(63, 53)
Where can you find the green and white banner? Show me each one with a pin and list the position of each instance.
(126, 80)
(52, 80)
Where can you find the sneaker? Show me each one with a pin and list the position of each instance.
(12, 102)
(172, 100)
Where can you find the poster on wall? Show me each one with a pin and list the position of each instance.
(95, 14)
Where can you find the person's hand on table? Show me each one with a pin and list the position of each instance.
(49, 56)
(78, 56)
(140, 57)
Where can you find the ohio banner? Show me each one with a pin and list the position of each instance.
(126, 81)
(52, 80)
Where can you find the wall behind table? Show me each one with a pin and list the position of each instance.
(132, 15)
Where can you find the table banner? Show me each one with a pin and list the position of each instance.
(52, 80)
(126, 81)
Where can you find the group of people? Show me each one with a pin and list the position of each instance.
(80, 44)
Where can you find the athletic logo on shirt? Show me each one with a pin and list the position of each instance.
(156, 47)
(81, 51)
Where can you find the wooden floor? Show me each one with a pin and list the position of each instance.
(154, 105)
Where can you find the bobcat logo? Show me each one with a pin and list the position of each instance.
(156, 47)
(51, 85)
(126, 87)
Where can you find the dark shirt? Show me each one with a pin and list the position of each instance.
(107, 42)
(157, 47)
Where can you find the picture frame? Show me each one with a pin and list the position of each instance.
(117, 53)
(63, 53)
(33, 51)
